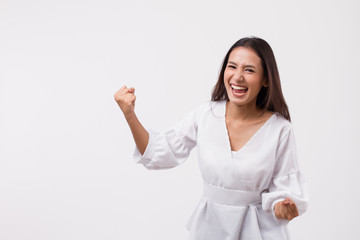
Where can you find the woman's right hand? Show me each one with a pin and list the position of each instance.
(125, 98)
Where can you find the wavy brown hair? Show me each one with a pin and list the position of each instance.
(269, 98)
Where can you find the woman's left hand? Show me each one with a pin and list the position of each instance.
(286, 209)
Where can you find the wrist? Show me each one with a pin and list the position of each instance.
(130, 116)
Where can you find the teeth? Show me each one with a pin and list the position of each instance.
(238, 88)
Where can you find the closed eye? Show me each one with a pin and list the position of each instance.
(231, 66)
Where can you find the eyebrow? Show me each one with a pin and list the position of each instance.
(246, 66)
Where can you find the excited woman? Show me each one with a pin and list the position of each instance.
(246, 149)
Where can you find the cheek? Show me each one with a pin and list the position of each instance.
(226, 77)
(256, 82)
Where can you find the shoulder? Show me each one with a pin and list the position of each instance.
(215, 107)
(281, 121)
(281, 125)
(197, 112)
(208, 109)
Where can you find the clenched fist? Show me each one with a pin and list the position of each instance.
(125, 98)
(286, 209)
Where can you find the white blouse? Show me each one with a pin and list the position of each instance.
(240, 188)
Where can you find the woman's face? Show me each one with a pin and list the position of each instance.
(244, 76)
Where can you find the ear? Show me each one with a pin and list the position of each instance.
(266, 83)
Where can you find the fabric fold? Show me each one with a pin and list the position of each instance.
(255, 228)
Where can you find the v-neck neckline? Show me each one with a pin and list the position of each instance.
(250, 139)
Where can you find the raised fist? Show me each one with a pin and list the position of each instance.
(125, 98)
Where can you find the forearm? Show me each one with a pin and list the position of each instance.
(140, 135)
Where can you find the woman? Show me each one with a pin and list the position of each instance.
(246, 149)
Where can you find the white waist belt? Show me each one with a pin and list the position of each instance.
(230, 196)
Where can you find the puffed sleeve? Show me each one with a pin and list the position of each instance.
(287, 180)
(171, 147)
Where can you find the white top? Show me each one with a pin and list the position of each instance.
(240, 188)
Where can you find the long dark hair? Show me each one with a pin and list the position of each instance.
(269, 98)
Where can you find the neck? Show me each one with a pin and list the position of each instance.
(242, 113)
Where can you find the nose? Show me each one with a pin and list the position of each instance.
(238, 76)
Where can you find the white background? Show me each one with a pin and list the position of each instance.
(66, 167)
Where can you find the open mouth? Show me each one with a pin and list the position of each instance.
(238, 90)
